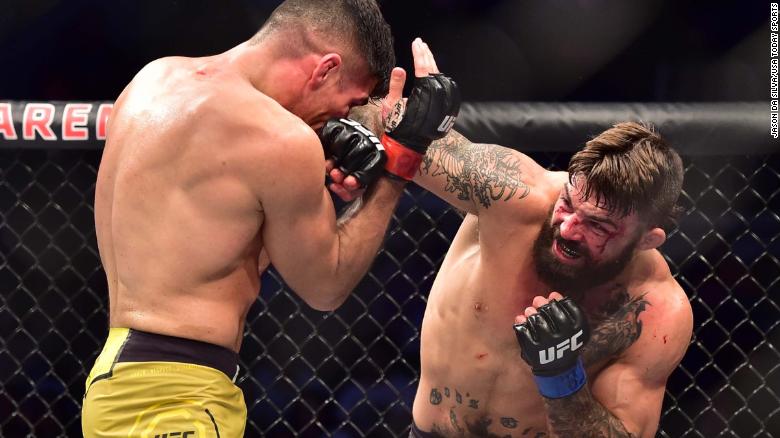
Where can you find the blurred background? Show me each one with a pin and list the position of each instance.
(499, 50)
(352, 373)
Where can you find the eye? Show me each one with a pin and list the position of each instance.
(598, 228)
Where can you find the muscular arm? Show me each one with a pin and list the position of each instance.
(470, 176)
(319, 259)
(624, 399)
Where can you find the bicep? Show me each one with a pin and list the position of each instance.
(474, 177)
(299, 225)
(299, 234)
(630, 395)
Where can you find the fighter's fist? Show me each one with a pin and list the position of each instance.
(552, 339)
(354, 149)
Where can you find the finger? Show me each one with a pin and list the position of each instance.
(397, 81)
(329, 165)
(337, 176)
(341, 192)
(351, 183)
(357, 193)
(520, 319)
(555, 296)
(529, 311)
(421, 61)
(430, 61)
(539, 301)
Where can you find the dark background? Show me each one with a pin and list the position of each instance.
(557, 50)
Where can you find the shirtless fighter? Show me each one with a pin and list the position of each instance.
(589, 234)
(211, 162)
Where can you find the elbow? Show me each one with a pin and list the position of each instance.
(324, 301)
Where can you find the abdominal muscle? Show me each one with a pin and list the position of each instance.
(473, 380)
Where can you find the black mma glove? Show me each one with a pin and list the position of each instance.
(431, 110)
(355, 150)
(551, 343)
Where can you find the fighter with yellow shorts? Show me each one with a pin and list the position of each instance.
(149, 385)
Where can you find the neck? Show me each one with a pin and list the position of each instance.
(635, 271)
(280, 77)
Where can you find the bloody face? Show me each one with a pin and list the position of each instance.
(583, 245)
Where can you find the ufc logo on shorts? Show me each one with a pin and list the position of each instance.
(446, 124)
(186, 434)
(556, 352)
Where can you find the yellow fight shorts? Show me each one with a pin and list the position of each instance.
(153, 386)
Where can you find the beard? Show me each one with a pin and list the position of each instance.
(569, 279)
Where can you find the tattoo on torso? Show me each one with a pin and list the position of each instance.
(459, 425)
(477, 173)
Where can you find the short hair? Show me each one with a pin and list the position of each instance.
(631, 168)
(359, 23)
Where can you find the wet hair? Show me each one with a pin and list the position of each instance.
(631, 168)
(358, 23)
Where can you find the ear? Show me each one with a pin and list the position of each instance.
(652, 239)
(327, 66)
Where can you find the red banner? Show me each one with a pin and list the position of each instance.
(75, 125)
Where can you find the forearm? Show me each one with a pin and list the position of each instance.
(359, 239)
(580, 414)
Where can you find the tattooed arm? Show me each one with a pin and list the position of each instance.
(470, 176)
(473, 176)
(641, 343)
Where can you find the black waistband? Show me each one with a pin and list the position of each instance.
(151, 347)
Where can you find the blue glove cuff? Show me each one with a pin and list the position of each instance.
(562, 385)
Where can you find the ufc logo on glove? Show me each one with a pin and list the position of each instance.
(556, 352)
(551, 341)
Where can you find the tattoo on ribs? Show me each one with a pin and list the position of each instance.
(463, 423)
(508, 422)
(476, 172)
(617, 326)
(435, 396)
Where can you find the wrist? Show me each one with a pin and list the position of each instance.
(402, 162)
(563, 384)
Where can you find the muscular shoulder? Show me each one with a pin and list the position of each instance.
(279, 150)
(665, 318)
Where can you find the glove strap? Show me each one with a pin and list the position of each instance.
(562, 385)
(401, 161)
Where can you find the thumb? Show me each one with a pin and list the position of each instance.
(395, 93)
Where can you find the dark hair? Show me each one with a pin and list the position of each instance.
(358, 23)
(631, 168)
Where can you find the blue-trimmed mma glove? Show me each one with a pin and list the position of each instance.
(355, 150)
(430, 112)
(551, 342)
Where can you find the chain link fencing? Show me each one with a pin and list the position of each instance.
(353, 372)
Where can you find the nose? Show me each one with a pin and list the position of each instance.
(570, 227)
